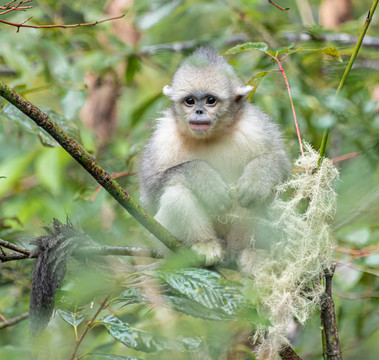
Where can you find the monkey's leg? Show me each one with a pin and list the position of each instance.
(180, 212)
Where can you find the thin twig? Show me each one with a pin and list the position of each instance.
(8, 8)
(14, 247)
(347, 71)
(345, 157)
(22, 24)
(87, 328)
(366, 295)
(14, 320)
(290, 96)
(279, 7)
(357, 254)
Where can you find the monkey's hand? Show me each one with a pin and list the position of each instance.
(207, 184)
(211, 249)
(256, 183)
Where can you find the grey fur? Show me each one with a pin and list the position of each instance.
(53, 250)
(230, 164)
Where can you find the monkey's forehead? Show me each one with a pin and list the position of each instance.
(214, 80)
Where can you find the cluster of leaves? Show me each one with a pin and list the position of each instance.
(196, 293)
(39, 181)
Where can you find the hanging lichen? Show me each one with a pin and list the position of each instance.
(288, 277)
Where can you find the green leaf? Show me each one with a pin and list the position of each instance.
(255, 81)
(13, 170)
(132, 295)
(206, 294)
(140, 110)
(282, 50)
(69, 127)
(332, 52)
(297, 50)
(157, 13)
(71, 104)
(15, 115)
(72, 318)
(261, 46)
(110, 356)
(146, 341)
(327, 51)
(50, 167)
(133, 66)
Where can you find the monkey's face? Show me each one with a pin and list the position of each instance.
(201, 114)
(206, 99)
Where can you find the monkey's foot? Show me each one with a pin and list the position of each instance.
(211, 249)
(250, 260)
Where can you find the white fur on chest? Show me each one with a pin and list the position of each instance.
(228, 154)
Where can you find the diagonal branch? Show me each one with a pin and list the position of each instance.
(88, 163)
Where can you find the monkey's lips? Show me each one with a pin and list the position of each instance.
(200, 125)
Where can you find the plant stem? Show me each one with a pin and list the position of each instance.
(292, 106)
(347, 70)
(291, 100)
(88, 326)
(87, 162)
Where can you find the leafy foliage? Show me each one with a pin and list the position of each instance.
(145, 341)
(37, 183)
(200, 293)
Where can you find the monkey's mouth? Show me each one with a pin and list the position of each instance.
(200, 125)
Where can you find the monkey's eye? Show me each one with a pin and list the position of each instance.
(211, 100)
(189, 101)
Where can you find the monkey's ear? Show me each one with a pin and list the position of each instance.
(243, 91)
(167, 90)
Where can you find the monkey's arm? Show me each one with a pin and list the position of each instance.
(183, 197)
(199, 177)
(260, 177)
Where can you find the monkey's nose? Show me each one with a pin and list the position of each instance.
(199, 112)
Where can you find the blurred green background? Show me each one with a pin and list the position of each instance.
(103, 84)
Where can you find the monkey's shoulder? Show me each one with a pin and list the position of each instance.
(248, 137)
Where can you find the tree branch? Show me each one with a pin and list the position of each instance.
(181, 46)
(14, 320)
(23, 253)
(368, 41)
(287, 353)
(14, 247)
(328, 319)
(87, 162)
(22, 24)
(276, 5)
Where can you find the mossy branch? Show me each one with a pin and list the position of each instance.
(348, 68)
(87, 162)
